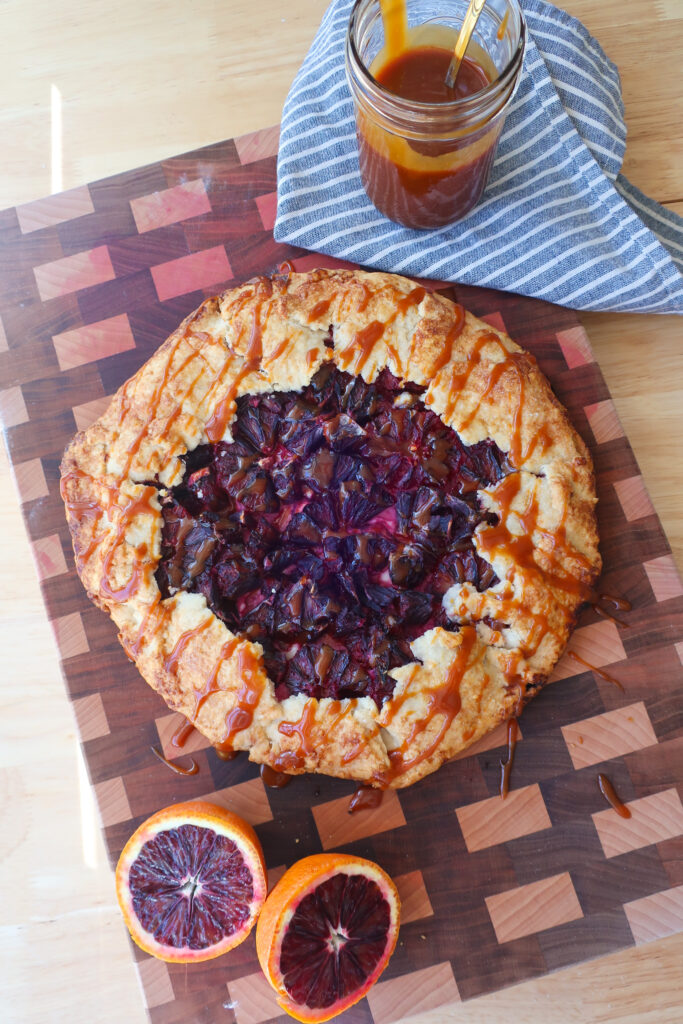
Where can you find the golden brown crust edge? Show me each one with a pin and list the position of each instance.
(269, 334)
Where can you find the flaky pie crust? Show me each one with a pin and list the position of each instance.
(269, 334)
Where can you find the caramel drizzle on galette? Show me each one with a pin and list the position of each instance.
(444, 702)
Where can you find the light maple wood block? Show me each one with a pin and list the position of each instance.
(609, 735)
(655, 916)
(247, 799)
(168, 725)
(534, 907)
(653, 819)
(598, 643)
(336, 827)
(492, 821)
(421, 991)
(415, 902)
(88, 412)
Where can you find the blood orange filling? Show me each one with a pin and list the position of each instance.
(335, 940)
(330, 528)
(190, 887)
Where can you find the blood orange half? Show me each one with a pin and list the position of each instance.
(326, 933)
(191, 882)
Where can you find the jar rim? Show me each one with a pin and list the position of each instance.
(465, 106)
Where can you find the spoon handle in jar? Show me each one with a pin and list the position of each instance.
(469, 23)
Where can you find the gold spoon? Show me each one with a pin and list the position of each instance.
(468, 26)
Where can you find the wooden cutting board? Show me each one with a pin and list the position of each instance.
(91, 282)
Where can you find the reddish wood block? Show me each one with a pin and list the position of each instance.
(13, 409)
(576, 348)
(336, 827)
(610, 735)
(89, 412)
(414, 993)
(73, 273)
(258, 145)
(112, 801)
(70, 635)
(94, 341)
(534, 908)
(191, 273)
(30, 480)
(495, 320)
(664, 579)
(633, 498)
(170, 206)
(604, 421)
(267, 208)
(415, 902)
(91, 717)
(495, 820)
(56, 209)
(49, 557)
(653, 819)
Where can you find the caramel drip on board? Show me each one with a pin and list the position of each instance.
(506, 766)
(610, 795)
(174, 766)
(286, 269)
(365, 798)
(620, 603)
(598, 671)
(182, 734)
(274, 779)
(226, 753)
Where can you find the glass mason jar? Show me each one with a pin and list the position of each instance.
(427, 164)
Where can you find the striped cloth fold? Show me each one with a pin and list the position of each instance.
(557, 221)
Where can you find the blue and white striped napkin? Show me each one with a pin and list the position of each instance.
(557, 220)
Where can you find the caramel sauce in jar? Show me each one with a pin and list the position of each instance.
(426, 149)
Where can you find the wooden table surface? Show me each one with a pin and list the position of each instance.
(87, 90)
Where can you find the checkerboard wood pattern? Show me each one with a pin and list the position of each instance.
(91, 282)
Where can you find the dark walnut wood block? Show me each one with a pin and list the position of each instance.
(91, 282)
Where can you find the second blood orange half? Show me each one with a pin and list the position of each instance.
(326, 933)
